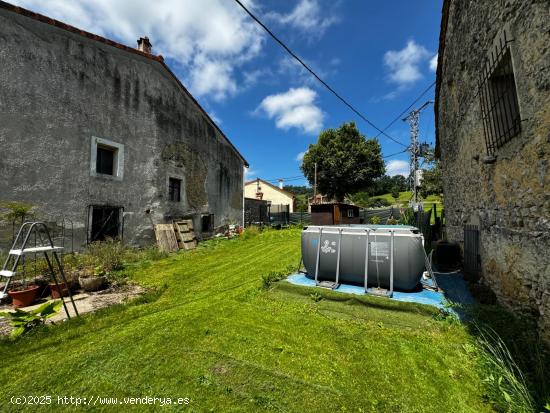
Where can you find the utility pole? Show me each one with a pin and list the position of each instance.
(315, 185)
(414, 118)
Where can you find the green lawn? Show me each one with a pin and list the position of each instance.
(212, 333)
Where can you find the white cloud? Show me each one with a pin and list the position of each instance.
(306, 17)
(300, 156)
(397, 167)
(208, 39)
(433, 63)
(250, 173)
(294, 109)
(404, 64)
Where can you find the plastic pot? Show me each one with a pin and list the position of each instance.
(24, 298)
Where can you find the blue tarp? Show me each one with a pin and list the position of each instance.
(453, 289)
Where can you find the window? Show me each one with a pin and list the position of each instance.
(499, 99)
(350, 213)
(105, 223)
(207, 223)
(174, 189)
(105, 159)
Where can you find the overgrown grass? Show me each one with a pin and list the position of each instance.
(211, 331)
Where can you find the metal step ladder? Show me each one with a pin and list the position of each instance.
(378, 291)
(332, 285)
(15, 254)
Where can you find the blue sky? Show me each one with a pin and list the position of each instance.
(379, 55)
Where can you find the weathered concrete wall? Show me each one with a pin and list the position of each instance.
(509, 199)
(59, 89)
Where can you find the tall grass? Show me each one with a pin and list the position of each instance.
(504, 382)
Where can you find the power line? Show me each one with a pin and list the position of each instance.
(406, 110)
(394, 154)
(325, 84)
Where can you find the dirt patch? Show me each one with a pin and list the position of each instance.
(85, 303)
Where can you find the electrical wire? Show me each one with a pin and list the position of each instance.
(395, 154)
(398, 117)
(310, 70)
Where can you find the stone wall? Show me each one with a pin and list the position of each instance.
(59, 90)
(510, 198)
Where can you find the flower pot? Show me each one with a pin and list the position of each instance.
(24, 298)
(62, 286)
(90, 284)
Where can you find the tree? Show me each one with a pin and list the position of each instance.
(346, 161)
(432, 183)
(395, 192)
(361, 199)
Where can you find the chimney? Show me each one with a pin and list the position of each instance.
(144, 45)
(281, 184)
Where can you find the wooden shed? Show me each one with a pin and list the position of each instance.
(334, 214)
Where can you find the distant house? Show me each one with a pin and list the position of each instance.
(493, 139)
(318, 199)
(260, 189)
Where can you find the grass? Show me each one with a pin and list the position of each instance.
(218, 328)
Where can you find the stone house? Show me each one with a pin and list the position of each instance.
(105, 136)
(493, 139)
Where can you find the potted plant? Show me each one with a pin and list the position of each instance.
(93, 281)
(24, 294)
(62, 286)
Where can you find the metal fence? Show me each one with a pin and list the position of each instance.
(261, 213)
(61, 231)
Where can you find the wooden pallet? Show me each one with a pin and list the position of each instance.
(166, 237)
(185, 234)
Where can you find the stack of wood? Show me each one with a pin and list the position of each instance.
(179, 235)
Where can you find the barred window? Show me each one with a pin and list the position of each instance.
(499, 99)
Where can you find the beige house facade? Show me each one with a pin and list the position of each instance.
(260, 189)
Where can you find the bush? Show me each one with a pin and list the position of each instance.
(107, 254)
(375, 220)
(504, 380)
(250, 232)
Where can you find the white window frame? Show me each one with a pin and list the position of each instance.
(118, 161)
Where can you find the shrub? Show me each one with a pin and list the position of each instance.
(375, 220)
(17, 211)
(107, 254)
(392, 221)
(504, 380)
(271, 277)
(250, 232)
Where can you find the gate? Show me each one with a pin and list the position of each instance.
(472, 257)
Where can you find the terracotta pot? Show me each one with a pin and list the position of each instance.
(90, 284)
(25, 297)
(62, 286)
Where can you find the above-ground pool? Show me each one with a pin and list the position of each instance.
(329, 250)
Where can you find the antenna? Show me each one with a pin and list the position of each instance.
(414, 118)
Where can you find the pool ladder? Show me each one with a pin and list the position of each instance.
(15, 255)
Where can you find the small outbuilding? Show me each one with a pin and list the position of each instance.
(334, 214)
